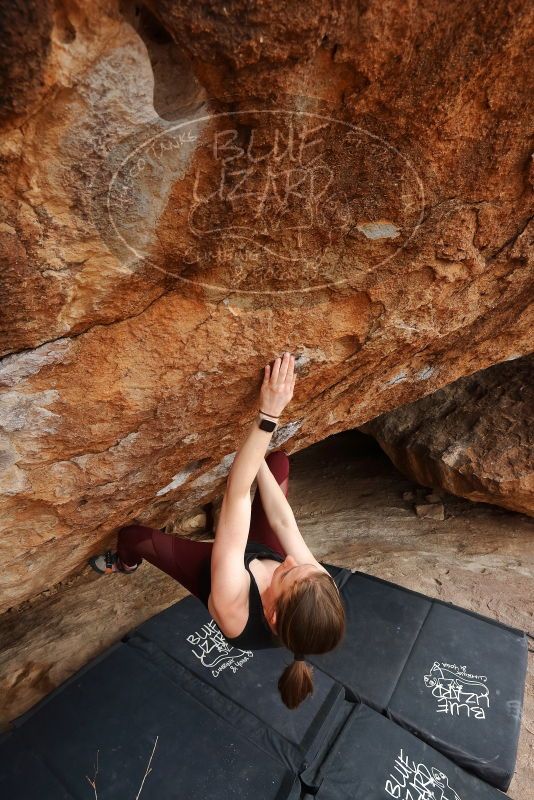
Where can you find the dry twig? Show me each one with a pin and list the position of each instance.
(93, 782)
(148, 769)
(145, 776)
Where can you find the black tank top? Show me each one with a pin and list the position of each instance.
(257, 634)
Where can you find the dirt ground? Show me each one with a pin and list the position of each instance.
(347, 499)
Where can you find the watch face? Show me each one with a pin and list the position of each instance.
(267, 425)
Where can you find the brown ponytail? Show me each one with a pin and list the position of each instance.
(295, 683)
(310, 618)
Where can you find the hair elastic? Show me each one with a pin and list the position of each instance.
(299, 657)
(269, 415)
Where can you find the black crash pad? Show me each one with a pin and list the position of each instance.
(462, 691)
(383, 622)
(398, 641)
(375, 759)
(116, 710)
(241, 684)
(123, 714)
(222, 730)
(23, 776)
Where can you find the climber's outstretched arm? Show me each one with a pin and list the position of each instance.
(275, 393)
(228, 575)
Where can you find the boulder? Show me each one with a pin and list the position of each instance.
(186, 193)
(474, 438)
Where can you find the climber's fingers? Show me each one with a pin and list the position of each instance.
(284, 367)
(275, 370)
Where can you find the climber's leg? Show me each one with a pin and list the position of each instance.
(186, 561)
(260, 529)
(135, 543)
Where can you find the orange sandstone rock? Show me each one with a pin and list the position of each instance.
(187, 191)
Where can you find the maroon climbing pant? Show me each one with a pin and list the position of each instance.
(187, 561)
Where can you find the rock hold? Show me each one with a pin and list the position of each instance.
(430, 511)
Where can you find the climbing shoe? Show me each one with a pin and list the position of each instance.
(109, 563)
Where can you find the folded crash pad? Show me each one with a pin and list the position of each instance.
(208, 720)
(383, 622)
(241, 684)
(462, 691)
(119, 717)
(375, 759)
(451, 676)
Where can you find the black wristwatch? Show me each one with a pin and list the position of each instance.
(266, 424)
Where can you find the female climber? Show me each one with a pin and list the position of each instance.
(264, 591)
